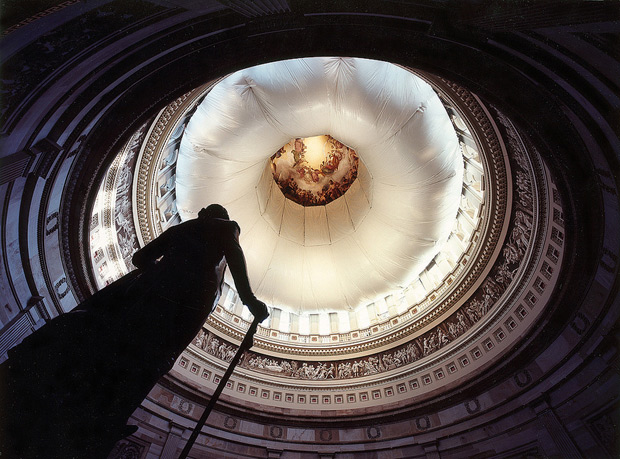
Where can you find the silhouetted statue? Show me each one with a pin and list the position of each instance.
(70, 387)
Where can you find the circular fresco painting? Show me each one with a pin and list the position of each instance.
(313, 171)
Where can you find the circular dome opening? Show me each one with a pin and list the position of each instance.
(314, 171)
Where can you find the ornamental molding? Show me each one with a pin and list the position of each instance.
(149, 226)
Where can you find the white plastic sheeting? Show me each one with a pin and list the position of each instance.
(382, 232)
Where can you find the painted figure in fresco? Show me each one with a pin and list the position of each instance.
(309, 186)
(298, 151)
(70, 387)
(332, 162)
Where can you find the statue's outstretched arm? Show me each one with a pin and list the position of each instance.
(236, 263)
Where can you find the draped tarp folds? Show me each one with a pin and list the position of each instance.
(382, 232)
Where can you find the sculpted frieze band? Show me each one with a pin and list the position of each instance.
(502, 278)
(456, 325)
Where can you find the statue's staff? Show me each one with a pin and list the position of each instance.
(244, 346)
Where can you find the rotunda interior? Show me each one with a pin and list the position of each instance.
(427, 196)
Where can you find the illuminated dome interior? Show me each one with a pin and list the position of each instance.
(385, 229)
(409, 200)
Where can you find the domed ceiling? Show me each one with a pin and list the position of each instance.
(388, 225)
(399, 173)
(388, 256)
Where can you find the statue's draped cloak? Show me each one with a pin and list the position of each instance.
(82, 375)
